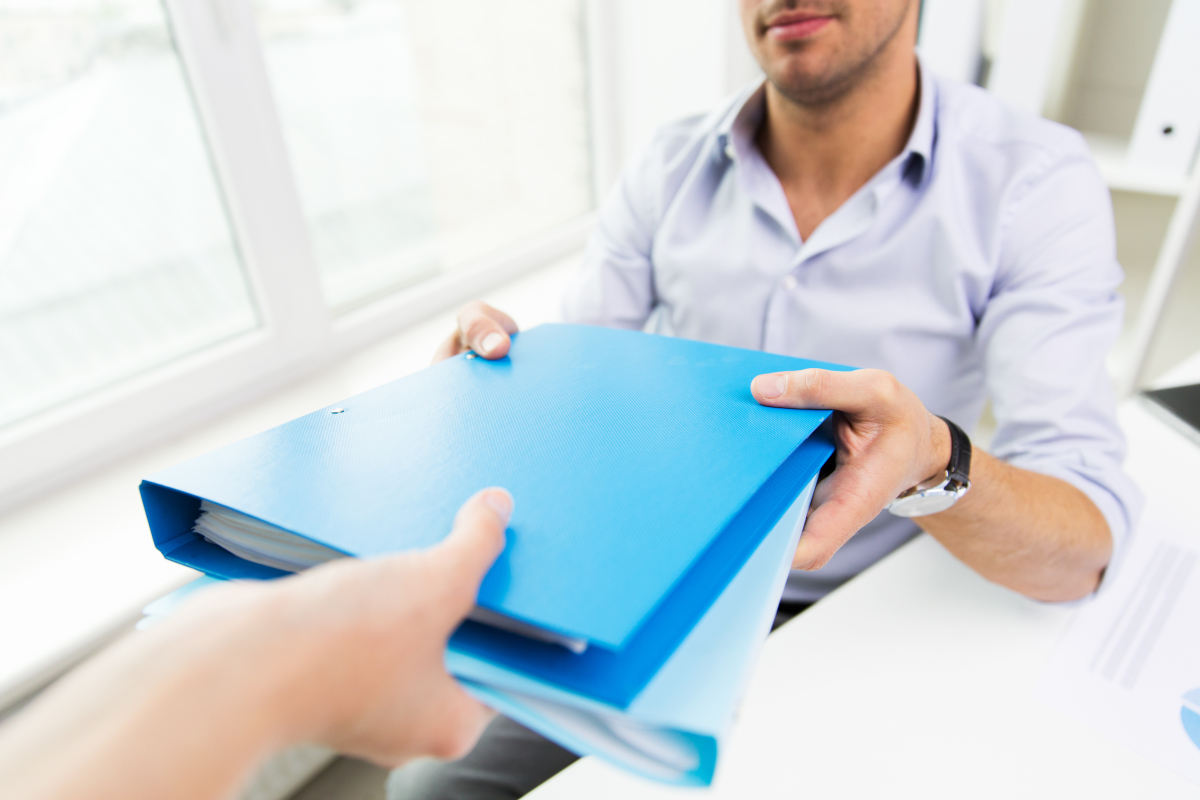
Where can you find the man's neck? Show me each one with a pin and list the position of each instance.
(824, 154)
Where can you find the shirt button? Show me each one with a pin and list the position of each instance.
(790, 282)
(730, 151)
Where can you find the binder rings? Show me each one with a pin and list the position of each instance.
(656, 505)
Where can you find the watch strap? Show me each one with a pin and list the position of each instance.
(959, 468)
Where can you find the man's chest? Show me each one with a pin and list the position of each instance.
(879, 288)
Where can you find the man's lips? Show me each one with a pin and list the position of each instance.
(790, 28)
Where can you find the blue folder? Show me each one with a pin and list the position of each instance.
(673, 730)
(644, 472)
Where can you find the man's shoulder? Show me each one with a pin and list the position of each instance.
(1030, 181)
(682, 141)
(980, 130)
(675, 150)
(676, 135)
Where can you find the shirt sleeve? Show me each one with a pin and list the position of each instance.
(1053, 315)
(615, 283)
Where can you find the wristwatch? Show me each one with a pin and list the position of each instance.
(941, 491)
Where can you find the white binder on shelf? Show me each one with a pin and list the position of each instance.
(1164, 143)
(1167, 130)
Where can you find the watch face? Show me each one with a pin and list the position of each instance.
(919, 505)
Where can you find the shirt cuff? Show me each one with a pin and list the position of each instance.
(1114, 494)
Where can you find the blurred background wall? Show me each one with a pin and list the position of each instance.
(293, 179)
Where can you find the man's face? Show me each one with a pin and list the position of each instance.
(815, 51)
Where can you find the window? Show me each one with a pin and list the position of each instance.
(116, 253)
(200, 198)
(424, 134)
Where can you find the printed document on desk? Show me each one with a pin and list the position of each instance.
(1129, 665)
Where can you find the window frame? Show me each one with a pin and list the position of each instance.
(221, 54)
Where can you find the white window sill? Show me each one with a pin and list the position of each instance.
(78, 564)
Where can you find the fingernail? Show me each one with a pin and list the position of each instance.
(770, 386)
(491, 342)
(501, 502)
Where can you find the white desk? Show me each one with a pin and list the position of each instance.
(916, 679)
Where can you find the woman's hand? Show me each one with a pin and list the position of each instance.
(348, 654)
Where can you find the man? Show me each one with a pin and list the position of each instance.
(855, 208)
(349, 654)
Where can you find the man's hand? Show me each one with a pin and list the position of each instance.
(481, 328)
(1033, 533)
(886, 443)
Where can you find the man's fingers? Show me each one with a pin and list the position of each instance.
(485, 330)
(451, 346)
(843, 503)
(854, 392)
(884, 438)
(464, 557)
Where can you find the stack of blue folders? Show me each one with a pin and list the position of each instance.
(657, 509)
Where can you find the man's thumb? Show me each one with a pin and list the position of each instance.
(477, 539)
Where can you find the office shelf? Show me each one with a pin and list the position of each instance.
(1111, 154)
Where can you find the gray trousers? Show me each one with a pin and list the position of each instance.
(508, 761)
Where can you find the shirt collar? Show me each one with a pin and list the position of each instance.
(739, 127)
(924, 132)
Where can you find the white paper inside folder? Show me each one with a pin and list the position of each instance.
(258, 541)
(262, 543)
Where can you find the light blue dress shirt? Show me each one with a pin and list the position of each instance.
(980, 262)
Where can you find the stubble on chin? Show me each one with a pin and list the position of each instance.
(846, 65)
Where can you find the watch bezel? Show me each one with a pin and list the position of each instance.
(929, 497)
(944, 489)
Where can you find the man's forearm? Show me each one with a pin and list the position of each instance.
(1029, 532)
(1033, 533)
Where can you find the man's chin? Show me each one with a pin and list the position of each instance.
(813, 85)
